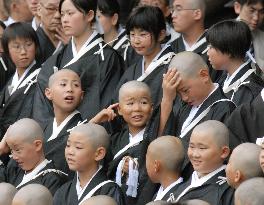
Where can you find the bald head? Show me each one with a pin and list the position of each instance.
(100, 199)
(7, 193)
(169, 151)
(33, 194)
(25, 129)
(133, 86)
(96, 134)
(195, 202)
(198, 4)
(188, 64)
(159, 202)
(244, 156)
(215, 130)
(250, 192)
(60, 74)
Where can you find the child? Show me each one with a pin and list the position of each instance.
(164, 161)
(250, 192)
(33, 194)
(108, 20)
(99, 76)
(127, 145)
(243, 156)
(146, 27)
(7, 193)
(86, 147)
(208, 148)
(99, 199)
(21, 46)
(201, 100)
(195, 202)
(25, 139)
(227, 52)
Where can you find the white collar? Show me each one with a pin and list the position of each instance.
(162, 192)
(262, 94)
(28, 177)
(34, 24)
(57, 129)
(9, 21)
(137, 137)
(193, 47)
(74, 50)
(79, 189)
(229, 79)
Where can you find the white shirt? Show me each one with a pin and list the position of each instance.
(9, 21)
(195, 45)
(138, 137)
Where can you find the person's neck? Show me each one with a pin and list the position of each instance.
(110, 36)
(192, 36)
(207, 90)
(51, 36)
(20, 72)
(60, 115)
(81, 39)
(41, 159)
(135, 130)
(38, 20)
(85, 176)
(149, 58)
(233, 65)
(168, 178)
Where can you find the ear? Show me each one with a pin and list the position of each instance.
(48, 93)
(119, 110)
(237, 7)
(38, 145)
(225, 152)
(238, 177)
(156, 166)
(162, 35)
(90, 16)
(114, 19)
(198, 14)
(204, 74)
(99, 154)
(82, 94)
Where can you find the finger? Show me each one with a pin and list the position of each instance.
(113, 106)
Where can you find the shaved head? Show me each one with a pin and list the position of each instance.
(33, 194)
(96, 134)
(188, 64)
(195, 202)
(7, 193)
(250, 192)
(216, 130)
(198, 4)
(133, 85)
(158, 202)
(25, 129)
(169, 151)
(100, 199)
(245, 158)
(54, 77)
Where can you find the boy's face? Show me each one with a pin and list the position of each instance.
(252, 14)
(231, 173)
(25, 154)
(217, 59)
(261, 157)
(65, 92)
(204, 153)
(135, 106)
(79, 153)
(150, 165)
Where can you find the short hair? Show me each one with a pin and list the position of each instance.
(20, 30)
(231, 37)
(198, 4)
(53, 77)
(195, 202)
(251, 192)
(250, 2)
(134, 84)
(96, 134)
(99, 199)
(7, 193)
(147, 18)
(84, 6)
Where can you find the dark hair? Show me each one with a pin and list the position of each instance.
(2, 25)
(20, 30)
(250, 2)
(147, 18)
(83, 6)
(230, 37)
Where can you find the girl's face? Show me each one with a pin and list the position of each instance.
(144, 42)
(107, 23)
(217, 59)
(22, 52)
(74, 22)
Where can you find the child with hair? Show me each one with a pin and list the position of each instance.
(99, 76)
(21, 47)
(114, 35)
(147, 29)
(7, 193)
(86, 148)
(28, 164)
(164, 161)
(208, 148)
(228, 52)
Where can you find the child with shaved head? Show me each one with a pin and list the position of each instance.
(243, 164)
(86, 148)
(164, 160)
(208, 148)
(33, 194)
(7, 193)
(25, 139)
(99, 199)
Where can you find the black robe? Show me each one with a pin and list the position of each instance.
(54, 150)
(178, 46)
(169, 196)
(16, 106)
(67, 194)
(5, 74)
(53, 179)
(98, 77)
(246, 92)
(246, 122)
(211, 191)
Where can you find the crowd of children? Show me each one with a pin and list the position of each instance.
(159, 110)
